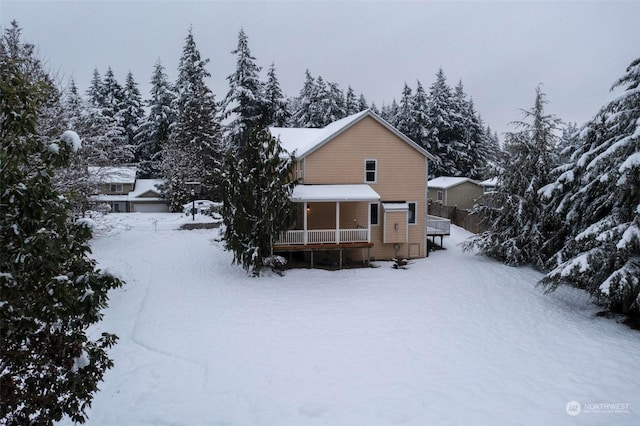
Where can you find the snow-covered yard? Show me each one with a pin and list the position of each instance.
(454, 339)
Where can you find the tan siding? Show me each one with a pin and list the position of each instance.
(391, 234)
(401, 175)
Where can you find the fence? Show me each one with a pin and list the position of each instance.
(459, 217)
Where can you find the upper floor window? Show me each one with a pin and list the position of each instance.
(439, 196)
(116, 187)
(371, 171)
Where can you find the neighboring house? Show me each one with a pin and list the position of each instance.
(361, 190)
(122, 192)
(460, 192)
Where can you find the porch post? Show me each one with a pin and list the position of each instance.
(369, 223)
(304, 226)
(337, 222)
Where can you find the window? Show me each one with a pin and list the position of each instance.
(439, 197)
(374, 213)
(370, 171)
(116, 187)
(412, 212)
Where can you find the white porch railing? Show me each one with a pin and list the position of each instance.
(323, 236)
(438, 225)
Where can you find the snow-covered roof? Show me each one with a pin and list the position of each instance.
(490, 182)
(304, 141)
(146, 185)
(112, 174)
(446, 182)
(333, 193)
(395, 206)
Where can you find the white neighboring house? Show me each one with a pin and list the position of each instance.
(119, 188)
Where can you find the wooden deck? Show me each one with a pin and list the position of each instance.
(312, 248)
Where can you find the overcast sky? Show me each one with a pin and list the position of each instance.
(500, 50)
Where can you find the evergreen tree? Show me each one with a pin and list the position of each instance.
(132, 114)
(419, 127)
(102, 130)
(51, 290)
(155, 129)
(362, 103)
(278, 111)
(441, 124)
(597, 197)
(194, 147)
(404, 120)
(255, 173)
(95, 92)
(303, 110)
(256, 188)
(245, 102)
(518, 232)
(351, 104)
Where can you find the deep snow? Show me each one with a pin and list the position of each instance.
(454, 339)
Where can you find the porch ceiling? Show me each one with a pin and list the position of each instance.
(333, 193)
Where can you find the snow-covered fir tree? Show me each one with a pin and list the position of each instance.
(102, 130)
(256, 187)
(194, 146)
(155, 129)
(444, 144)
(255, 173)
(419, 107)
(245, 103)
(277, 106)
(131, 114)
(303, 106)
(597, 197)
(351, 105)
(51, 290)
(404, 118)
(518, 231)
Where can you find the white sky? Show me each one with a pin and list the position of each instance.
(500, 50)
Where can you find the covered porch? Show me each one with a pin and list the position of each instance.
(329, 217)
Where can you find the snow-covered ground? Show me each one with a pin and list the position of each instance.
(454, 339)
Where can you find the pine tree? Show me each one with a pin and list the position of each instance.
(277, 106)
(132, 114)
(441, 121)
(518, 232)
(419, 132)
(304, 103)
(194, 147)
(351, 105)
(155, 129)
(404, 120)
(245, 102)
(597, 197)
(103, 132)
(51, 290)
(255, 173)
(256, 188)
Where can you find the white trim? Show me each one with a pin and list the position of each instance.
(415, 213)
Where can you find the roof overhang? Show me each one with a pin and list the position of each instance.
(333, 193)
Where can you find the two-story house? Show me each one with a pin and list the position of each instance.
(362, 190)
(123, 192)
